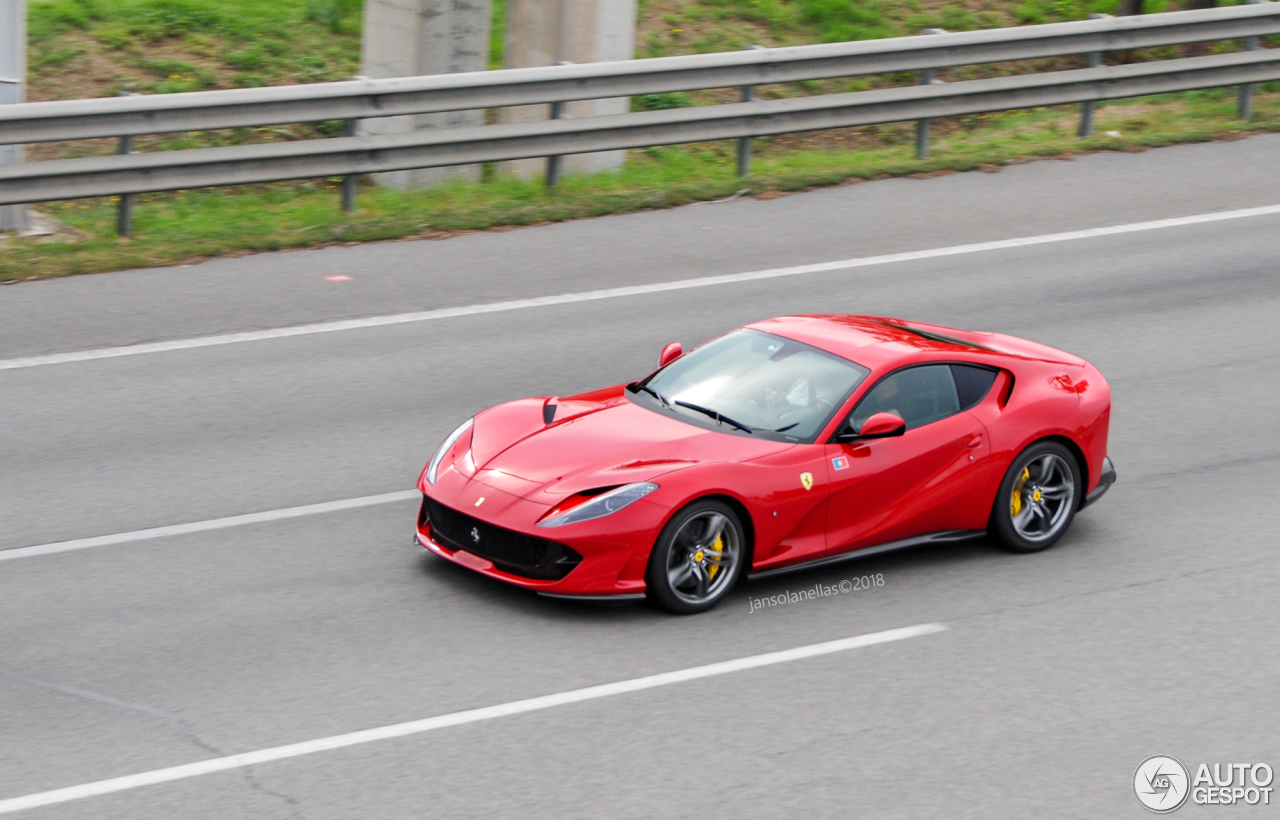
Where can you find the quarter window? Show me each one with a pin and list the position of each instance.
(972, 383)
(917, 395)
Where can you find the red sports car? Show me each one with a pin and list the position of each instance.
(787, 443)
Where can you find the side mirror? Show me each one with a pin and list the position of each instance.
(880, 425)
(670, 353)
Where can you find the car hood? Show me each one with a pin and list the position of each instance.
(593, 444)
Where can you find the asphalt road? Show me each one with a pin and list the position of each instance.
(1149, 630)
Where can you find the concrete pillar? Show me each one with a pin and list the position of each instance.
(13, 79)
(543, 32)
(404, 38)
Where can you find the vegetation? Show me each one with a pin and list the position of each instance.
(82, 48)
(99, 47)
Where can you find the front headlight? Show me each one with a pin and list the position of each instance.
(602, 505)
(445, 446)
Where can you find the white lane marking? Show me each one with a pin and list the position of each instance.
(615, 293)
(325, 744)
(204, 526)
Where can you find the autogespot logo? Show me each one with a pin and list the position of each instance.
(1161, 784)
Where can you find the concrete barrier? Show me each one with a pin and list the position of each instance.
(405, 38)
(546, 32)
(13, 75)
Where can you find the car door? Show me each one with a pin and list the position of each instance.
(927, 480)
(790, 489)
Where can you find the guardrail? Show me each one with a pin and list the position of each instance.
(126, 173)
(363, 99)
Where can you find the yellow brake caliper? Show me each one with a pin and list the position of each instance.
(716, 551)
(1015, 502)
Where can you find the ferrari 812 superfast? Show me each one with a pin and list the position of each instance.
(785, 444)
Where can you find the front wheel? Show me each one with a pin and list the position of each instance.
(1037, 499)
(698, 558)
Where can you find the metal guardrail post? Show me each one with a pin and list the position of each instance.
(124, 207)
(1092, 60)
(349, 181)
(922, 126)
(1244, 102)
(553, 163)
(748, 93)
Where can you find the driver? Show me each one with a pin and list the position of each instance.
(797, 395)
(882, 400)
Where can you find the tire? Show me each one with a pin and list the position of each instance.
(1032, 511)
(687, 573)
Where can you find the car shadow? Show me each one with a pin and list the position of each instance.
(527, 602)
(925, 558)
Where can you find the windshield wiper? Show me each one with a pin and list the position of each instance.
(646, 388)
(717, 416)
(786, 428)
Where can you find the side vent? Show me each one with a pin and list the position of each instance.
(548, 413)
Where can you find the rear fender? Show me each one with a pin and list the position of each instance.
(1095, 421)
(1043, 403)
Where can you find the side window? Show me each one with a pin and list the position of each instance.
(917, 395)
(972, 383)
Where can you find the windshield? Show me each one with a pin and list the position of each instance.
(779, 388)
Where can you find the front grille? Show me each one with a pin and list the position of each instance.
(525, 555)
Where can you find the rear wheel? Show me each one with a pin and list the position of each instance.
(698, 558)
(1037, 499)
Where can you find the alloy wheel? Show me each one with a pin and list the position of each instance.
(1041, 501)
(703, 556)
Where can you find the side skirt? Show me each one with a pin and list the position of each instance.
(946, 537)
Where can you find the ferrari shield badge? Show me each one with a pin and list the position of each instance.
(807, 480)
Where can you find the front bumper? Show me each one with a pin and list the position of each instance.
(604, 558)
(1105, 481)
(514, 553)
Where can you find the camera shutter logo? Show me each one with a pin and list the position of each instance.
(1161, 784)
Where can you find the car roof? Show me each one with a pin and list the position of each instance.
(878, 342)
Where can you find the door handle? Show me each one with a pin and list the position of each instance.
(975, 441)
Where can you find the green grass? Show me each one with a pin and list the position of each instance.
(159, 46)
(182, 227)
